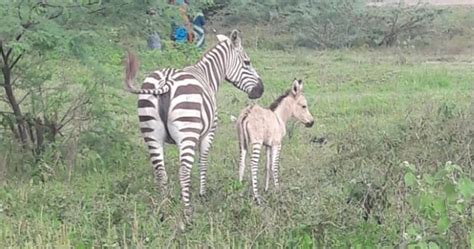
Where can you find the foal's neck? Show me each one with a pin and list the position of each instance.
(283, 111)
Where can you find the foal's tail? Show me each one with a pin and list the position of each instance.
(242, 132)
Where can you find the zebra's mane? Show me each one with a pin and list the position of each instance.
(277, 102)
(208, 51)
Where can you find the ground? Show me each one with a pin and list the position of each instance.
(373, 110)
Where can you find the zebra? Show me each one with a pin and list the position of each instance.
(178, 106)
(257, 126)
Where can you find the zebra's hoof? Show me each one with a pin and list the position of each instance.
(203, 196)
(188, 215)
(165, 191)
(258, 201)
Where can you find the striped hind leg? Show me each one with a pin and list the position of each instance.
(204, 147)
(186, 157)
(268, 164)
(153, 132)
(256, 147)
(276, 149)
(157, 162)
(242, 150)
(243, 154)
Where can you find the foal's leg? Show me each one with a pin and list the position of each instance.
(254, 169)
(268, 163)
(243, 154)
(275, 163)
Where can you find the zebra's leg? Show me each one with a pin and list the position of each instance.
(186, 157)
(161, 178)
(157, 162)
(268, 164)
(153, 132)
(276, 149)
(254, 170)
(203, 157)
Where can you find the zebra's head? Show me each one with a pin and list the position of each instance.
(240, 71)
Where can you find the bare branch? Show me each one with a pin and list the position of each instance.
(14, 81)
(69, 115)
(97, 10)
(15, 61)
(71, 6)
(4, 99)
(56, 15)
(4, 57)
(24, 97)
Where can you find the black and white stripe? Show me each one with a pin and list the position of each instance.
(184, 110)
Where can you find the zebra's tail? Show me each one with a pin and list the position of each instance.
(131, 69)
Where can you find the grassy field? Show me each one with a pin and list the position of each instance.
(373, 109)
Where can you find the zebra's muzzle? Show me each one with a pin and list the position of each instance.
(257, 91)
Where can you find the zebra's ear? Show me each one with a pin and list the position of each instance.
(235, 38)
(296, 87)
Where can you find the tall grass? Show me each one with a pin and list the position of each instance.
(373, 112)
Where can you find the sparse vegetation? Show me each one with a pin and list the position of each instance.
(388, 163)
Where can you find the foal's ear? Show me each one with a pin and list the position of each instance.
(296, 87)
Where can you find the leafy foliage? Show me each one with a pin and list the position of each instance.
(444, 201)
(336, 24)
(60, 64)
(89, 183)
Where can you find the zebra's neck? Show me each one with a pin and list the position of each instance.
(212, 66)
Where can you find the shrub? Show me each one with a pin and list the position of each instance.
(442, 202)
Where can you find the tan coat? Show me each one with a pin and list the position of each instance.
(258, 126)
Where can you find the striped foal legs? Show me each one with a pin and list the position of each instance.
(254, 170)
(275, 163)
(243, 154)
(268, 164)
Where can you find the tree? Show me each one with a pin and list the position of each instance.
(37, 40)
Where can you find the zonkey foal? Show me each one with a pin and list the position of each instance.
(257, 126)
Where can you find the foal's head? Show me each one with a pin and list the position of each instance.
(298, 105)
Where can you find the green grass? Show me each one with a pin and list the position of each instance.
(374, 112)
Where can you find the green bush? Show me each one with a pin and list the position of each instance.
(442, 202)
(337, 24)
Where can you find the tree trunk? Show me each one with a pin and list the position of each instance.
(20, 121)
(39, 127)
